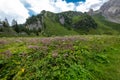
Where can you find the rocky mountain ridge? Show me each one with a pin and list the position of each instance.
(111, 10)
(64, 18)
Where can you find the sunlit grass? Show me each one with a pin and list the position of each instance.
(84, 57)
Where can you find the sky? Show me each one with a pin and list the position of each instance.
(22, 9)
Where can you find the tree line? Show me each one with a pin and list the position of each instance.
(18, 28)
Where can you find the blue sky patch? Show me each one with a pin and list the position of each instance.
(31, 12)
(28, 6)
(74, 1)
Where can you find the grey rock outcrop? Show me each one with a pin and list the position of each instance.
(36, 25)
(62, 20)
(111, 10)
(1, 25)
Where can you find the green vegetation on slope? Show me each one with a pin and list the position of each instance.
(73, 23)
(62, 58)
(84, 24)
(60, 24)
(53, 28)
(106, 27)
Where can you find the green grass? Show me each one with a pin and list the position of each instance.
(54, 28)
(76, 18)
(103, 26)
(91, 57)
(106, 27)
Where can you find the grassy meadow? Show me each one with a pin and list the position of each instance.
(83, 57)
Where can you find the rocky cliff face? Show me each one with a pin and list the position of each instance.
(111, 10)
(38, 21)
(59, 23)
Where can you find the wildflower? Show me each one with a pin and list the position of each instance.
(54, 54)
(22, 69)
(33, 47)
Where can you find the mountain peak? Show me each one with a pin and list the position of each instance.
(111, 10)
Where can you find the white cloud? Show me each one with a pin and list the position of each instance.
(38, 5)
(94, 4)
(49, 5)
(14, 9)
(62, 5)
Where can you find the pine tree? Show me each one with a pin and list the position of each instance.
(5, 23)
(15, 26)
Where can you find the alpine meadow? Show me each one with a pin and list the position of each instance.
(65, 45)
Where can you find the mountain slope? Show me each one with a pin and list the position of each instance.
(106, 27)
(111, 10)
(55, 28)
(65, 23)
